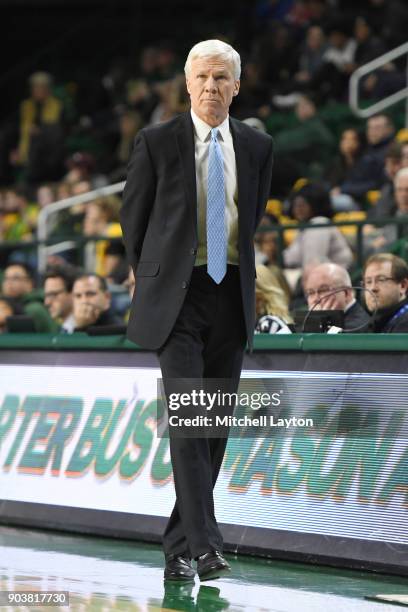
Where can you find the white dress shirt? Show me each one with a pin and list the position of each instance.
(202, 132)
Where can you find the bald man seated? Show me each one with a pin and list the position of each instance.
(327, 286)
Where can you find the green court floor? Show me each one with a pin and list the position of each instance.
(105, 574)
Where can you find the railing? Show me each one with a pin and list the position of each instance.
(43, 246)
(55, 207)
(361, 72)
(399, 222)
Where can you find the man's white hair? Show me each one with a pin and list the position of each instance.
(402, 173)
(214, 48)
(337, 273)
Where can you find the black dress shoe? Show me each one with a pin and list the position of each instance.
(212, 565)
(178, 567)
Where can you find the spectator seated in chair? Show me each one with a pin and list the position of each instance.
(386, 276)
(319, 284)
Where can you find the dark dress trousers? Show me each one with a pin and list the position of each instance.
(198, 328)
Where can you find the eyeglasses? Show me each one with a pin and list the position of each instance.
(51, 295)
(377, 280)
(323, 290)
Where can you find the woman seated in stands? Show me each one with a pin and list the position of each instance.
(347, 168)
(272, 302)
(311, 204)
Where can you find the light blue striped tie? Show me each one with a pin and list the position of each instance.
(216, 230)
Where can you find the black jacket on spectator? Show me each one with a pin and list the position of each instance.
(368, 172)
(368, 50)
(337, 171)
(356, 317)
(386, 205)
(392, 320)
(105, 318)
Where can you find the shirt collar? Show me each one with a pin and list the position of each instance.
(350, 305)
(202, 129)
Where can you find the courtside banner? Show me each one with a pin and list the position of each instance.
(86, 437)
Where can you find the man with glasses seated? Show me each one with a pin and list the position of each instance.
(386, 276)
(58, 298)
(18, 285)
(328, 287)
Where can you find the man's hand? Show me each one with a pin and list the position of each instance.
(328, 302)
(85, 314)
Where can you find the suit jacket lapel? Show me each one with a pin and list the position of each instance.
(244, 167)
(185, 145)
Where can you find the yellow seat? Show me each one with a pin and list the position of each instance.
(402, 135)
(373, 196)
(114, 230)
(290, 234)
(352, 215)
(274, 207)
(301, 182)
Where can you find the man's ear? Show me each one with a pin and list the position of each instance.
(188, 85)
(236, 88)
(404, 287)
(349, 294)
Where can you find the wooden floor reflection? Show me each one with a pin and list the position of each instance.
(105, 575)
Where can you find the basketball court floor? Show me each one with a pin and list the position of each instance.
(105, 574)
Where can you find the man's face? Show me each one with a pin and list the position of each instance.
(57, 299)
(317, 287)
(305, 109)
(314, 37)
(387, 292)
(378, 128)
(5, 311)
(401, 193)
(40, 92)
(87, 294)
(45, 196)
(95, 221)
(16, 282)
(211, 86)
(392, 166)
(361, 30)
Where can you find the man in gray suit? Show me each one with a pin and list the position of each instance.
(196, 189)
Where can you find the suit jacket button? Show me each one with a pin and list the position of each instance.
(193, 251)
(184, 285)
